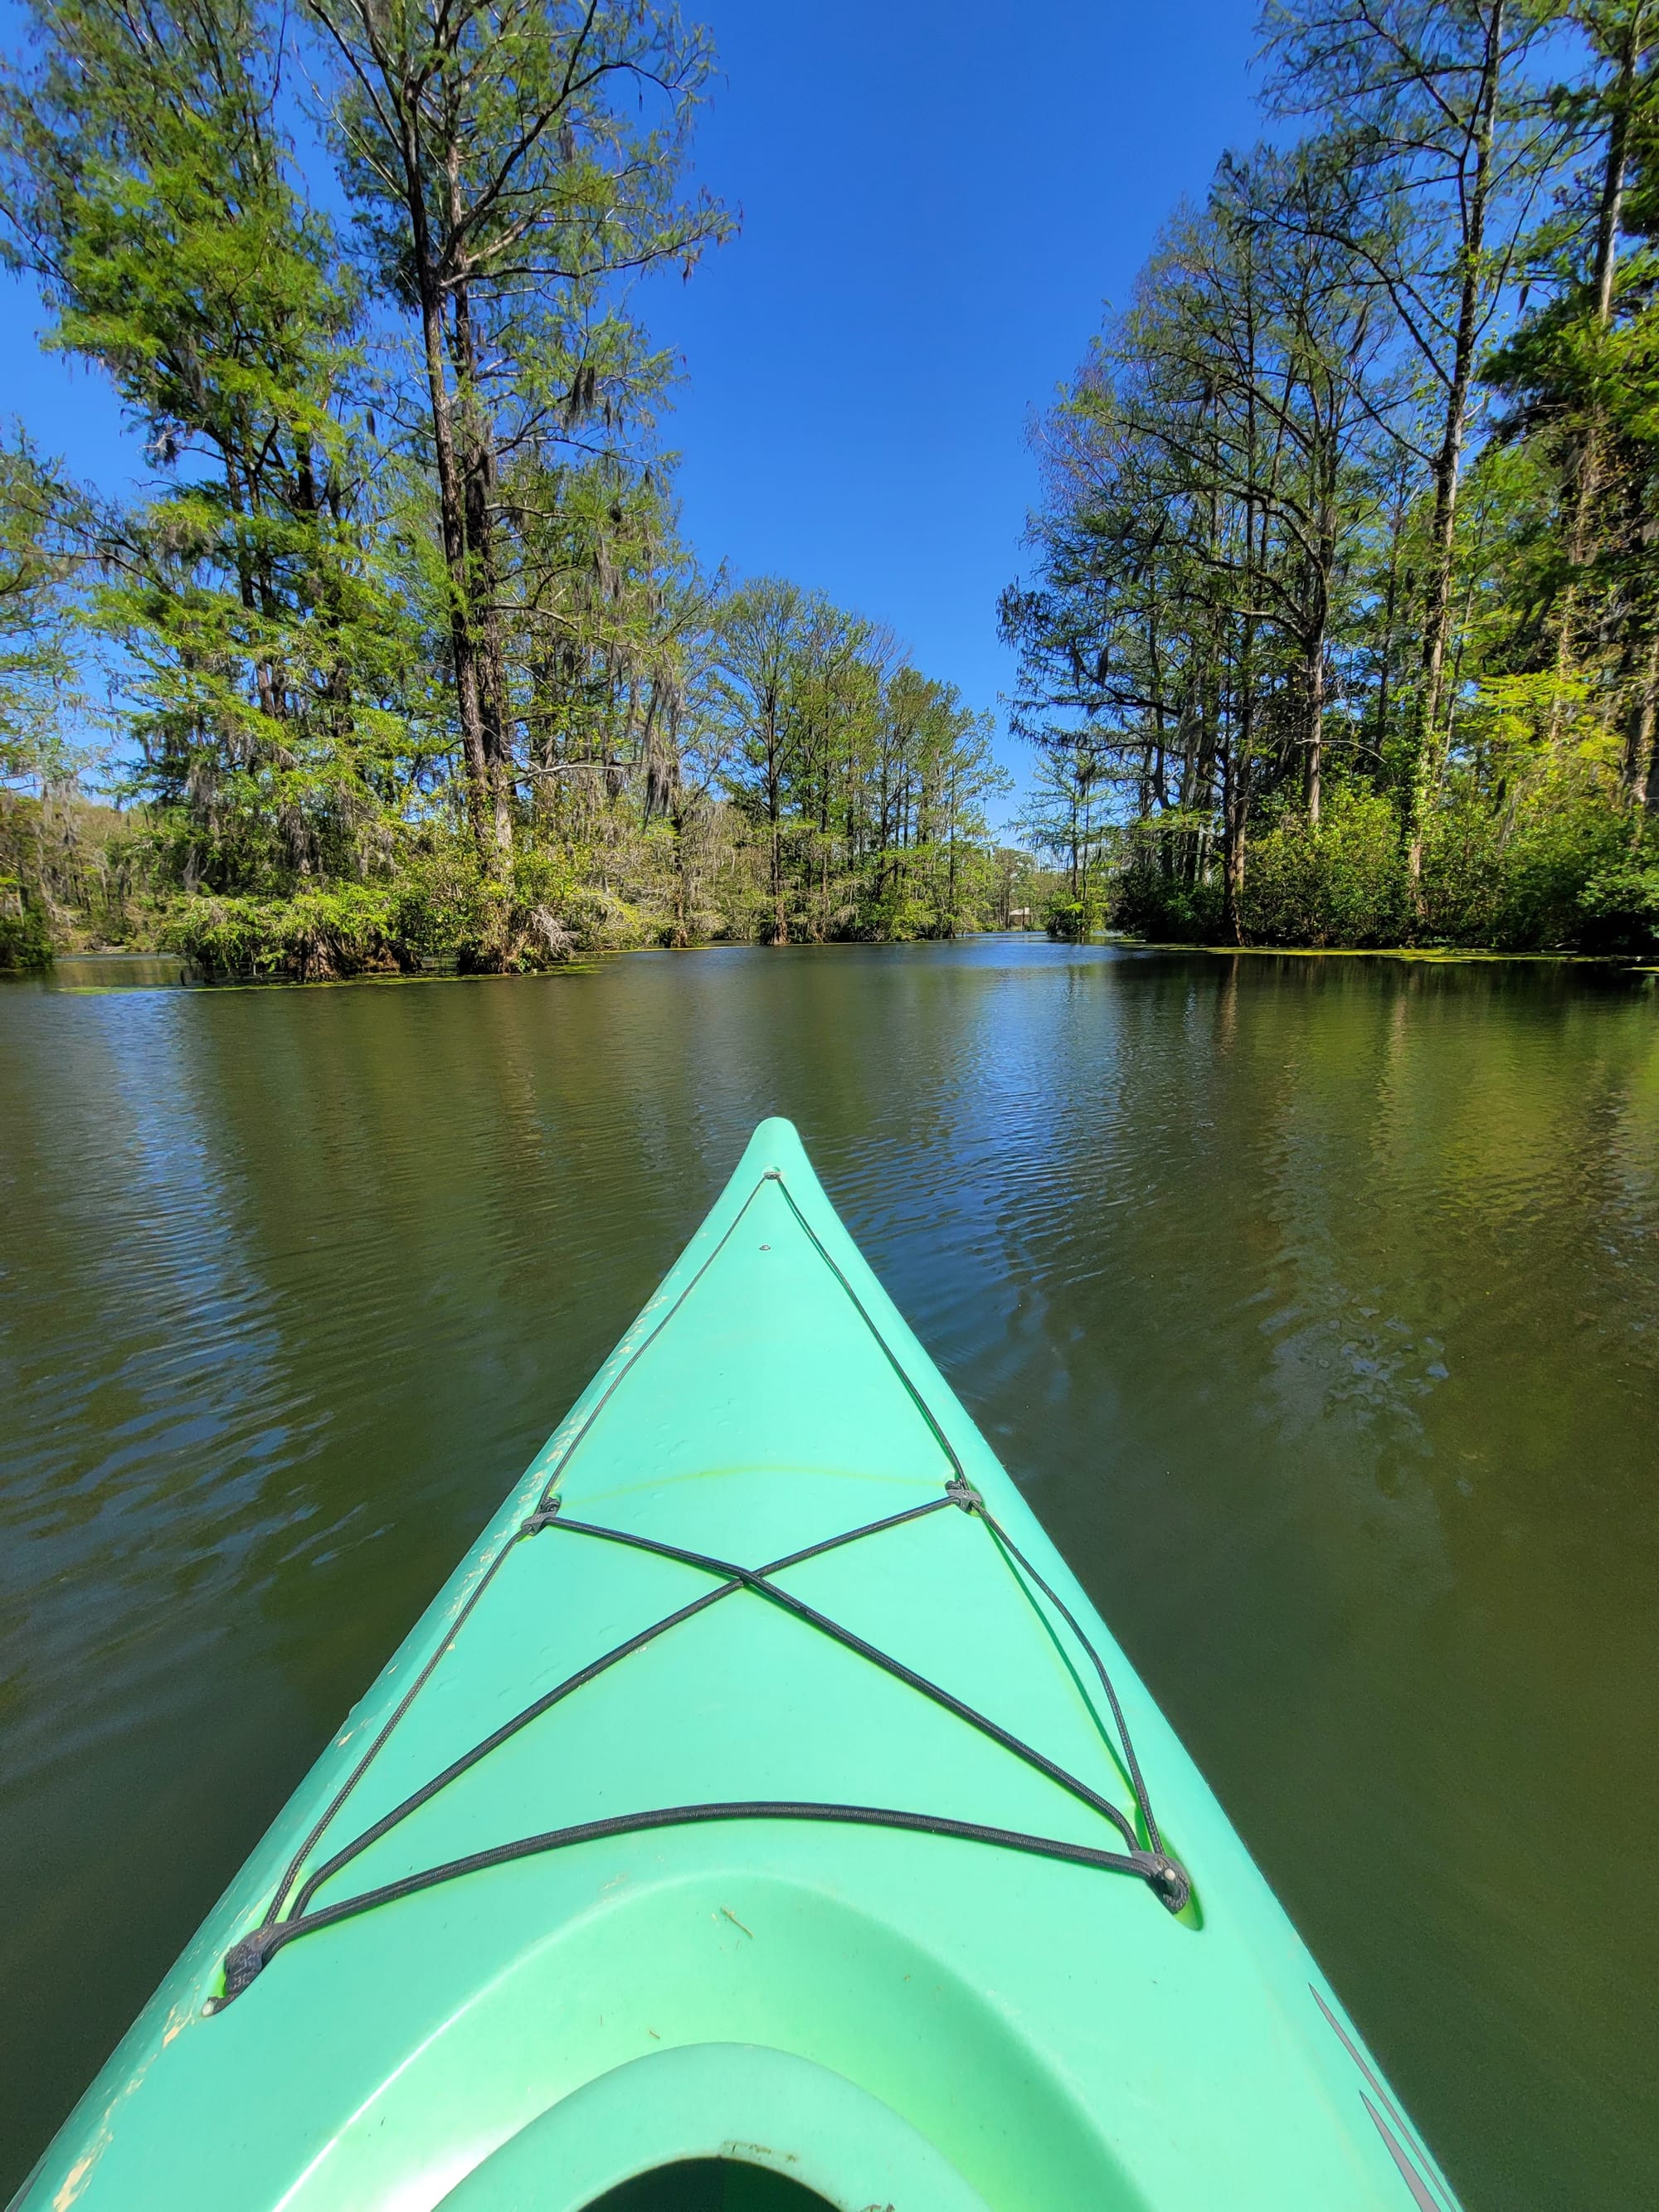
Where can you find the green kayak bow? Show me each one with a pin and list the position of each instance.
(762, 1789)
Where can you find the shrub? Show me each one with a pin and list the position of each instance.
(1154, 905)
(897, 917)
(25, 938)
(1523, 883)
(542, 918)
(442, 907)
(1553, 872)
(1462, 887)
(1621, 908)
(1068, 920)
(1558, 850)
(342, 929)
(1341, 883)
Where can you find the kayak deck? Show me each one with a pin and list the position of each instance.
(919, 1938)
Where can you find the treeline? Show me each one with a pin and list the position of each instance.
(1343, 622)
(401, 655)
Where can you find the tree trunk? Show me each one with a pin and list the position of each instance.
(1314, 764)
(1235, 834)
(773, 816)
(1237, 771)
(452, 519)
(1236, 765)
(1390, 613)
(477, 458)
(955, 788)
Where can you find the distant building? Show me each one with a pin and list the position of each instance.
(1020, 917)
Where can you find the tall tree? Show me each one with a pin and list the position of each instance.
(1578, 373)
(143, 175)
(39, 763)
(1207, 474)
(760, 635)
(509, 158)
(1429, 111)
(1067, 816)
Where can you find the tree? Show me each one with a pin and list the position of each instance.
(762, 635)
(1285, 564)
(39, 565)
(39, 764)
(145, 189)
(505, 171)
(1578, 372)
(1065, 818)
(1428, 111)
(1207, 475)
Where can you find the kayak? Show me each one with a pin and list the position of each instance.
(761, 1815)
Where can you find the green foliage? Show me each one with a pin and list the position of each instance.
(38, 511)
(861, 783)
(1318, 647)
(1556, 875)
(509, 164)
(40, 872)
(25, 939)
(1519, 883)
(896, 916)
(1069, 920)
(1323, 645)
(1620, 906)
(1068, 818)
(1342, 882)
(1155, 901)
(314, 936)
(442, 908)
(258, 638)
(412, 664)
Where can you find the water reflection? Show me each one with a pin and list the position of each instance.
(1315, 1303)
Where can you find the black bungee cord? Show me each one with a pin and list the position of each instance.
(1168, 1881)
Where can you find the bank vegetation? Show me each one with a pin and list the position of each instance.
(399, 656)
(1341, 624)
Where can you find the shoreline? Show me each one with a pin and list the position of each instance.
(1443, 956)
(1426, 956)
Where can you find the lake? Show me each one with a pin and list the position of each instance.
(1314, 1302)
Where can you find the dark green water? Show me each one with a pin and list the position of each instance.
(1315, 1302)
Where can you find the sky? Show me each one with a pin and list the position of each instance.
(937, 200)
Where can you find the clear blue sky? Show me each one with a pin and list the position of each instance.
(936, 199)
